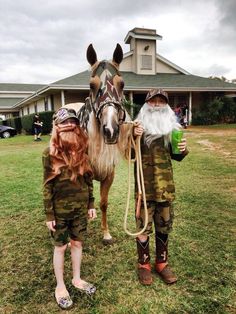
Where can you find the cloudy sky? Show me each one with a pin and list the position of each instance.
(46, 40)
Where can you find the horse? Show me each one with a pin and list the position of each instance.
(104, 118)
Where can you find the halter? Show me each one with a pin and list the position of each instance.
(107, 94)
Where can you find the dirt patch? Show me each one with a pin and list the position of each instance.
(208, 145)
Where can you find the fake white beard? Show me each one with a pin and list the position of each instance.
(157, 122)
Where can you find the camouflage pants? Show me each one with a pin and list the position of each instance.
(161, 213)
(72, 225)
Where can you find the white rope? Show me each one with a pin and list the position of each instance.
(140, 182)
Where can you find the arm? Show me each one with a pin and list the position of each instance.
(91, 210)
(47, 188)
(89, 182)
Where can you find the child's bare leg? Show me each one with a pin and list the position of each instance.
(58, 264)
(76, 257)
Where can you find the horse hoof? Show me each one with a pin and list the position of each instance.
(107, 241)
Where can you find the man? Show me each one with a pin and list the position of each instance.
(157, 121)
(37, 128)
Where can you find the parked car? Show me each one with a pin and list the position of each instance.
(7, 131)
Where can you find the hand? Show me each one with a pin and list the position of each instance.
(182, 145)
(51, 225)
(138, 129)
(92, 214)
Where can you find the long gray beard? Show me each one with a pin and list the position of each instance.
(157, 122)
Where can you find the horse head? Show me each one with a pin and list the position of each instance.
(106, 93)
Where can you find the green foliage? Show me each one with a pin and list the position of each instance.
(131, 108)
(15, 122)
(46, 118)
(220, 110)
(27, 122)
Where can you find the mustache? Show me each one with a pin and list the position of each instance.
(66, 128)
(157, 109)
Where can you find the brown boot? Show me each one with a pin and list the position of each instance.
(162, 267)
(144, 266)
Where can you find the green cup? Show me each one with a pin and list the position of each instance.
(176, 138)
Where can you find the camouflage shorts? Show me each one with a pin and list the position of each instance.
(161, 213)
(70, 227)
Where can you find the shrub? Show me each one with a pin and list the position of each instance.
(131, 107)
(15, 123)
(46, 118)
(220, 110)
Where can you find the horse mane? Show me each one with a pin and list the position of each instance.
(104, 157)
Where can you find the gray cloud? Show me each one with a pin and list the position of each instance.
(43, 41)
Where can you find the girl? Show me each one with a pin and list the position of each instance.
(68, 198)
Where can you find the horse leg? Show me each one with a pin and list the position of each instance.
(104, 190)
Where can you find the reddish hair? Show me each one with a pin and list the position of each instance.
(68, 147)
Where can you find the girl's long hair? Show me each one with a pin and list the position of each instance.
(68, 147)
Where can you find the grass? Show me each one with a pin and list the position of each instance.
(201, 249)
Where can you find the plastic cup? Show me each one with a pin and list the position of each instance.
(176, 138)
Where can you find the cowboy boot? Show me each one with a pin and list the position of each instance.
(144, 266)
(162, 267)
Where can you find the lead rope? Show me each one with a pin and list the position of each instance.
(140, 182)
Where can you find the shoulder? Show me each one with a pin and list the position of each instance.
(45, 154)
(46, 151)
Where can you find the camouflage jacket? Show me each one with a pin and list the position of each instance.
(157, 171)
(62, 196)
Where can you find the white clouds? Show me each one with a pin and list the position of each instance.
(43, 41)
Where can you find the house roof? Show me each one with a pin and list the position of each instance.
(14, 87)
(139, 83)
(142, 33)
(7, 103)
(168, 81)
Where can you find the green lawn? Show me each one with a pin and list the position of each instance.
(202, 245)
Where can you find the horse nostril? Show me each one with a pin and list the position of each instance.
(106, 131)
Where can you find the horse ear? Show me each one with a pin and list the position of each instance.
(118, 54)
(91, 55)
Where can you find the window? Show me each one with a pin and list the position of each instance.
(28, 112)
(35, 108)
(45, 104)
(52, 102)
(146, 62)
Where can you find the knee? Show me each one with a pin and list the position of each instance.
(76, 244)
(60, 249)
(143, 237)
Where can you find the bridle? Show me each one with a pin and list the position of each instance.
(107, 95)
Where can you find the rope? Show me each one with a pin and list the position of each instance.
(140, 182)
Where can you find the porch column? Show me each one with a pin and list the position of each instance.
(190, 108)
(62, 98)
(131, 108)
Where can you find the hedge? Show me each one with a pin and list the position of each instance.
(14, 123)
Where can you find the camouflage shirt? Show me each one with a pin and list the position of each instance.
(157, 171)
(62, 197)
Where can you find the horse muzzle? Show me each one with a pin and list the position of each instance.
(110, 136)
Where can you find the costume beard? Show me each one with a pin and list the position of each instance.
(68, 147)
(157, 122)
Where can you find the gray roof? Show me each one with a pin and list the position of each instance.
(163, 80)
(7, 103)
(14, 87)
